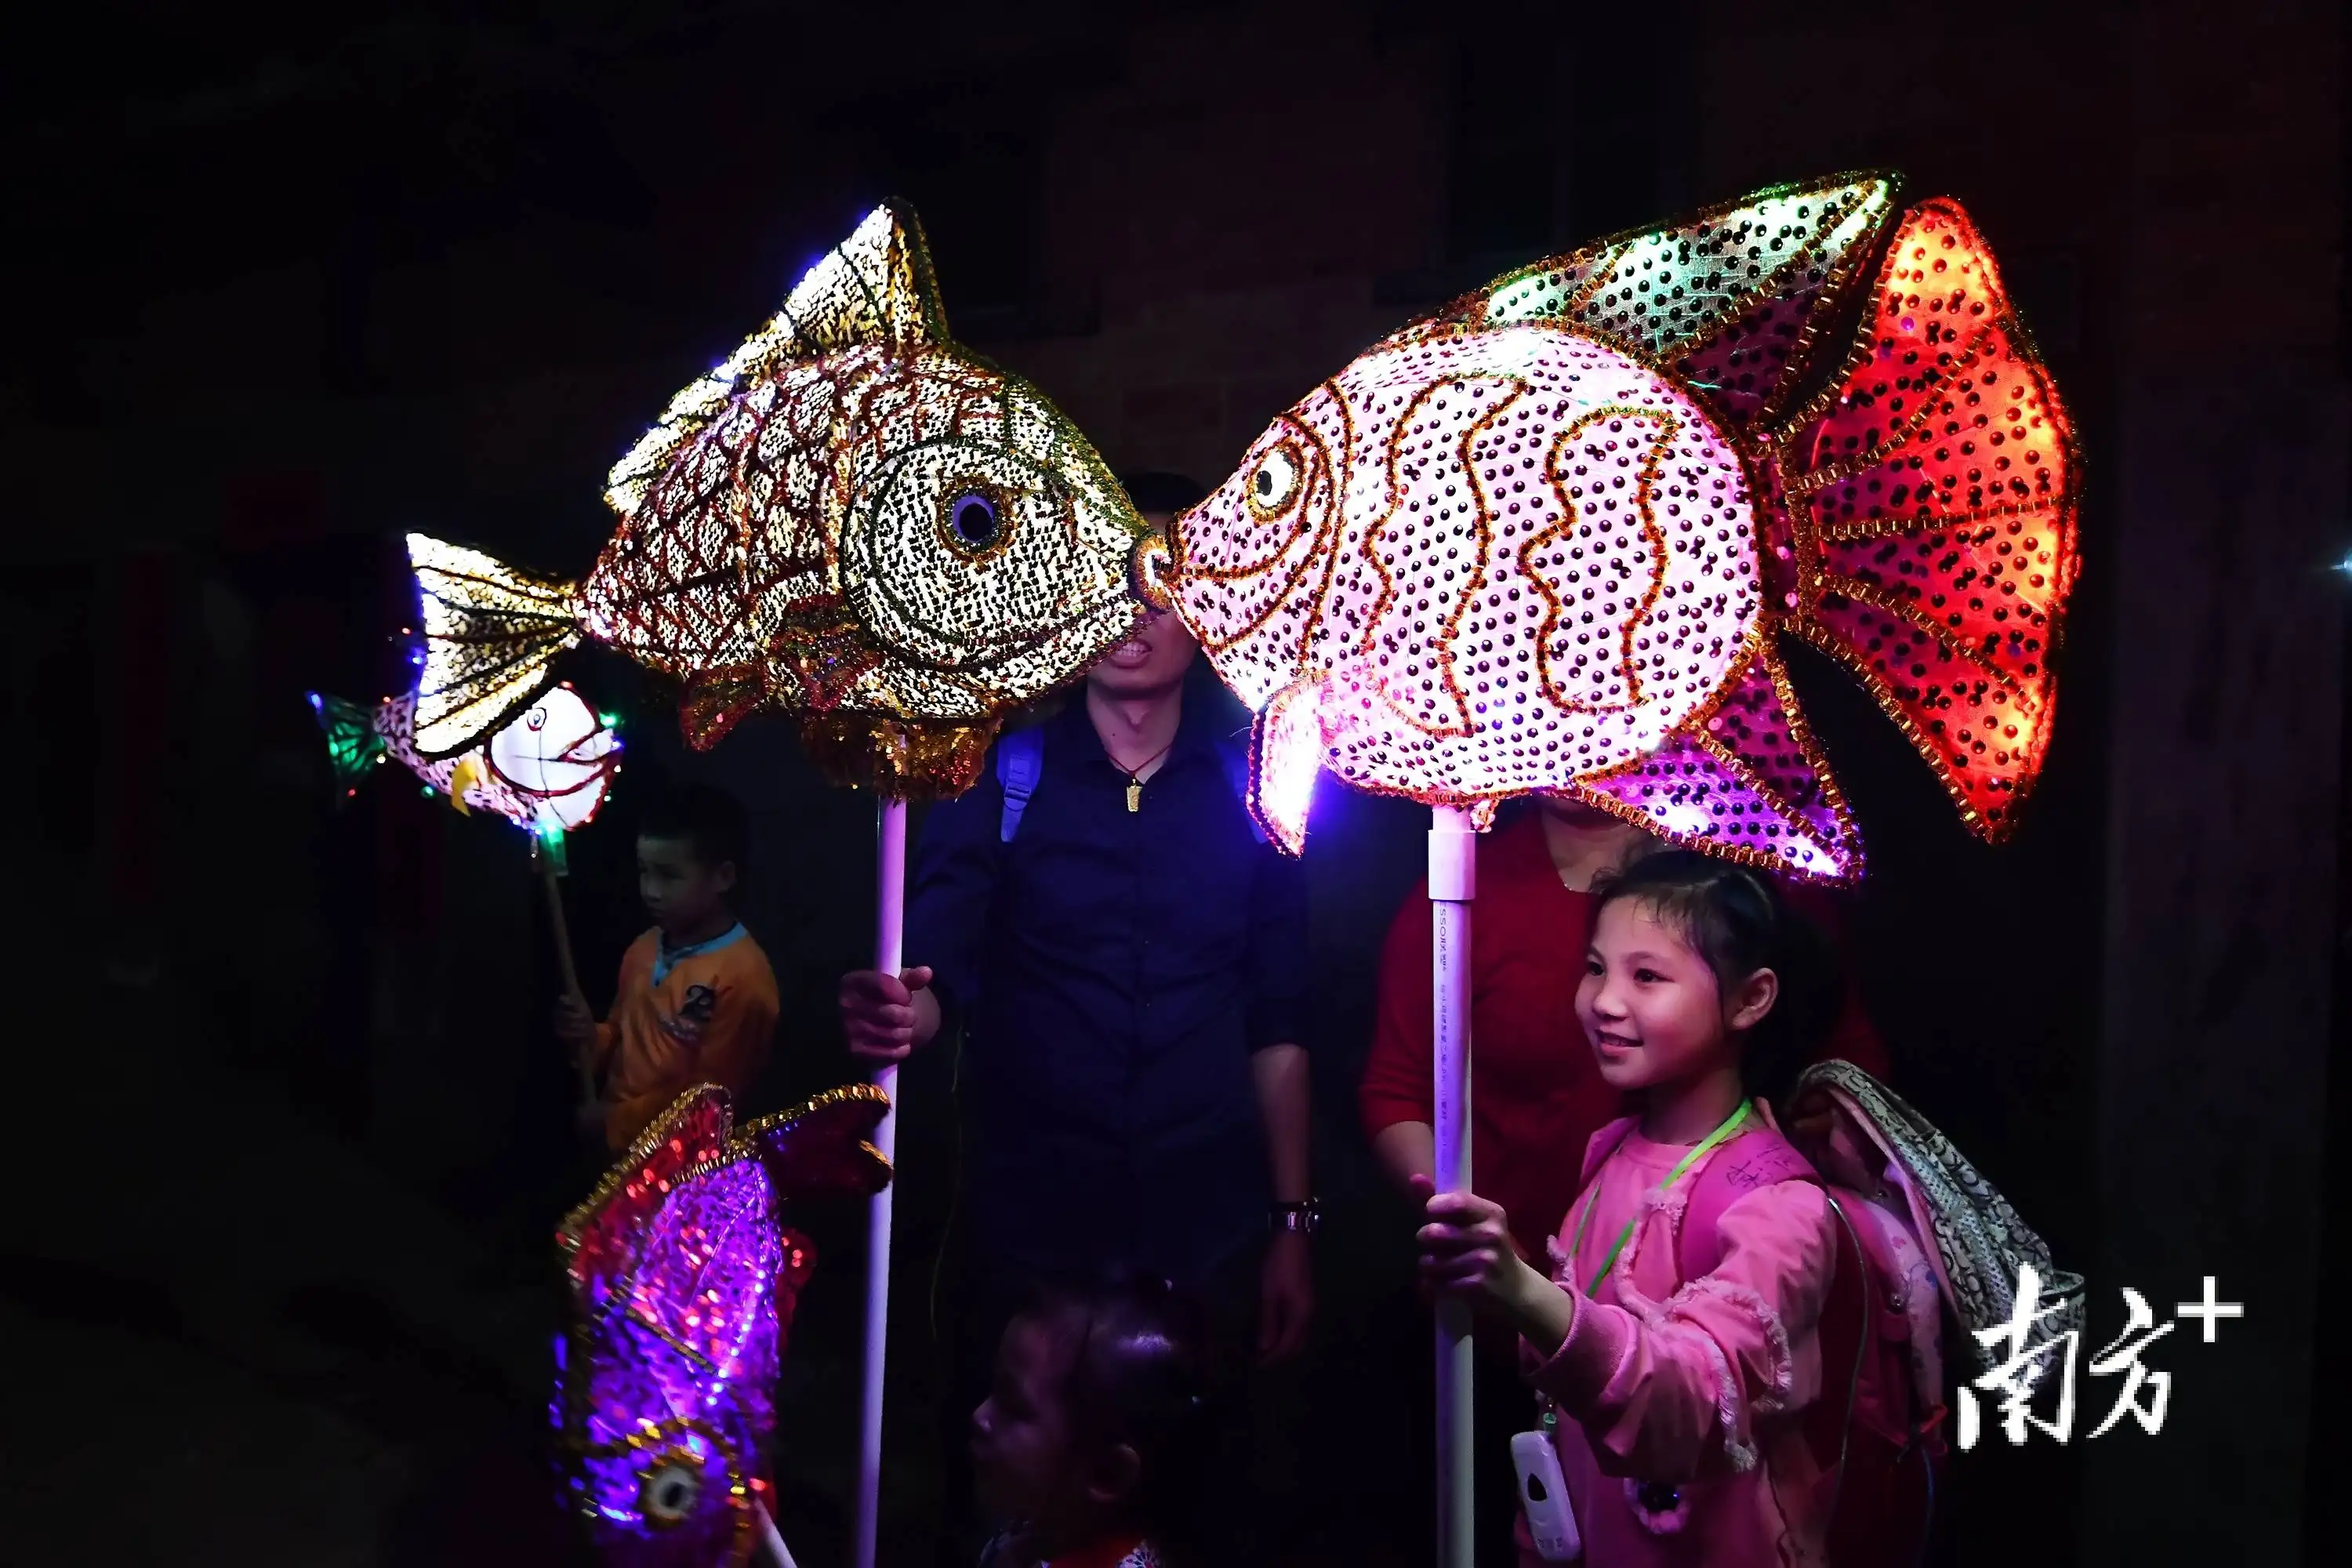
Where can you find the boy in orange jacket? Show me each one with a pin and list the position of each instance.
(697, 1001)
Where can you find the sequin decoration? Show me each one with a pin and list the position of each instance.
(546, 770)
(851, 519)
(683, 1281)
(1549, 539)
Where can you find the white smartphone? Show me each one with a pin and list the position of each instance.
(1543, 1492)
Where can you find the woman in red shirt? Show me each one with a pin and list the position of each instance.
(1535, 1095)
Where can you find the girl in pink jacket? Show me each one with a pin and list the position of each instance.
(1671, 1366)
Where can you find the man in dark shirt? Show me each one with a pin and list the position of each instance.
(1128, 968)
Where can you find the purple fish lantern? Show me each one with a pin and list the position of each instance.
(683, 1283)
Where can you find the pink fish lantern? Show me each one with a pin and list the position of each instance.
(1555, 537)
(683, 1281)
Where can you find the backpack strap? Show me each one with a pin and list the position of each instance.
(1235, 755)
(1020, 759)
(1759, 1158)
(1602, 1144)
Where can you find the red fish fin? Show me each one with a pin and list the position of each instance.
(1933, 492)
(792, 1278)
(820, 1148)
(1746, 783)
(716, 701)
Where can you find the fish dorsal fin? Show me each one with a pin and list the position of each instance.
(873, 287)
(600, 1239)
(1669, 294)
(820, 1147)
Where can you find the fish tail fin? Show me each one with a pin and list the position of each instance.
(353, 742)
(822, 1147)
(1924, 532)
(491, 635)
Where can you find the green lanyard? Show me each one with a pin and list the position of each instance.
(1731, 1124)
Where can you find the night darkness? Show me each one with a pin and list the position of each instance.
(291, 1119)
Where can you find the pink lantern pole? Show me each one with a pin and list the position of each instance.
(889, 943)
(1453, 883)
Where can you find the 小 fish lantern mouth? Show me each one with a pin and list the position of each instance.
(1550, 538)
(853, 519)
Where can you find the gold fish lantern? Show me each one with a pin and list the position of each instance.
(853, 519)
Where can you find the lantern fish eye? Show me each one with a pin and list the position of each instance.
(1275, 481)
(974, 519)
(667, 1491)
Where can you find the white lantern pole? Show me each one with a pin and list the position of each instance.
(1453, 883)
(889, 943)
(770, 1544)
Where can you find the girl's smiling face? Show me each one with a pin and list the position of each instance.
(1652, 1009)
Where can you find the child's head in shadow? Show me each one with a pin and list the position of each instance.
(1098, 1428)
(692, 848)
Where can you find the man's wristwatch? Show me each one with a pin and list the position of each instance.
(1305, 1218)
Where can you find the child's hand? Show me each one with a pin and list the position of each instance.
(575, 1026)
(1466, 1248)
(1467, 1251)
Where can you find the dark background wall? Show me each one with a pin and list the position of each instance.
(285, 285)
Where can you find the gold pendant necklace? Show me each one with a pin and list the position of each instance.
(1135, 774)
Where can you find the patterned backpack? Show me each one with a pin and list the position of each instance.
(1929, 1234)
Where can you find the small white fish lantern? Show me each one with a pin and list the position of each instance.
(547, 771)
(559, 755)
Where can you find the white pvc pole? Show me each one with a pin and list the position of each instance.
(771, 1542)
(1453, 883)
(889, 942)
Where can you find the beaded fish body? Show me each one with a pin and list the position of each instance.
(1552, 538)
(853, 519)
(682, 1283)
